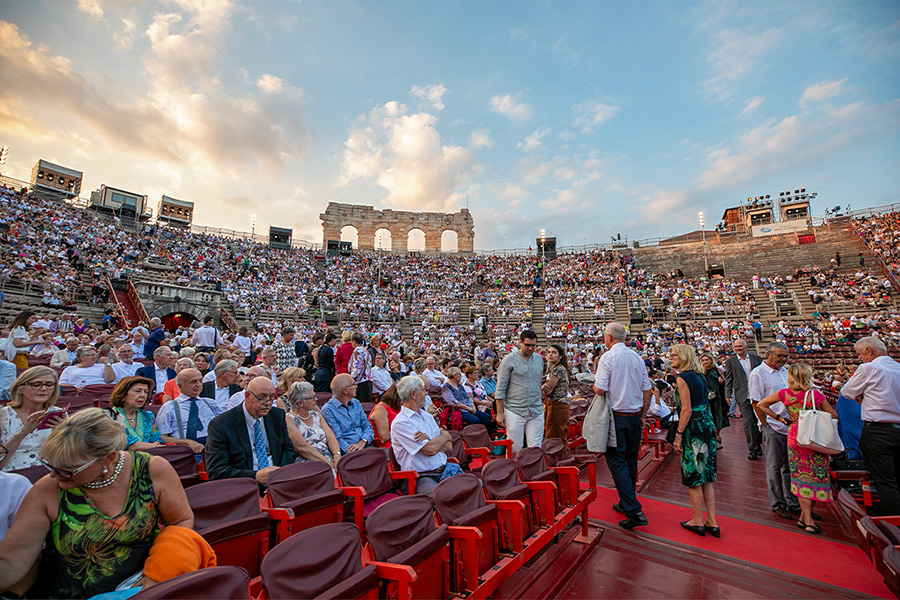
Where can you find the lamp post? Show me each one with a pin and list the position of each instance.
(543, 245)
(703, 234)
(253, 228)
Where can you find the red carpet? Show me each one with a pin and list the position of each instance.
(797, 553)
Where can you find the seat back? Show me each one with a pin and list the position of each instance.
(223, 500)
(876, 540)
(399, 524)
(855, 513)
(458, 496)
(299, 480)
(310, 563)
(477, 436)
(555, 450)
(891, 531)
(214, 582)
(891, 560)
(532, 463)
(182, 459)
(500, 476)
(366, 468)
(458, 450)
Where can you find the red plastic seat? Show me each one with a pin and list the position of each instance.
(321, 562)
(460, 502)
(533, 466)
(182, 459)
(368, 469)
(215, 582)
(307, 489)
(557, 453)
(227, 514)
(478, 443)
(402, 532)
(501, 482)
(855, 514)
(891, 560)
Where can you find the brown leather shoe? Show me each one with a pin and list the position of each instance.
(782, 512)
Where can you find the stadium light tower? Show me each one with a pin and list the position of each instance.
(703, 234)
(4, 152)
(252, 227)
(543, 245)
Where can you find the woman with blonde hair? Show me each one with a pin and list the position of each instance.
(695, 439)
(33, 394)
(288, 377)
(98, 511)
(810, 478)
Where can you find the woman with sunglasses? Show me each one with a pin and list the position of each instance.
(98, 511)
(33, 394)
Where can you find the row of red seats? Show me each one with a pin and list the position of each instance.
(878, 537)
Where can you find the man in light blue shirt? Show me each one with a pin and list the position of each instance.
(345, 415)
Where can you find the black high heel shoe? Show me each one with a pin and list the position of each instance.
(713, 531)
(698, 529)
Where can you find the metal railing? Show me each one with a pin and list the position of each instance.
(120, 310)
(229, 321)
(136, 301)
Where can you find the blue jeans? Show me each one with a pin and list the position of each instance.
(622, 461)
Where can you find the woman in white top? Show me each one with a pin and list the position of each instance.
(33, 394)
(19, 342)
(88, 371)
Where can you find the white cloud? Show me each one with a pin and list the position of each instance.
(560, 201)
(404, 155)
(592, 114)
(506, 106)
(734, 56)
(534, 140)
(432, 94)
(752, 105)
(91, 7)
(481, 138)
(818, 92)
(270, 84)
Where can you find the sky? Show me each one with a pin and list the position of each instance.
(585, 119)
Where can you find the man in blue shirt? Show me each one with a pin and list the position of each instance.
(345, 415)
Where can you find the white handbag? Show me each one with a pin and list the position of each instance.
(816, 430)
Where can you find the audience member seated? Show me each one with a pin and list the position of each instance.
(33, 394)
(345, 415)
(128, 399)
(88, 371)
(125, 366)
(384, 413)
(88, 553)
(250, 440)
(185, 419)
(417, 442)
(160, 371)
(310, 434)
(455, 395)
(223, 386)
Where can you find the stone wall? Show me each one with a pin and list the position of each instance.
(367, 221)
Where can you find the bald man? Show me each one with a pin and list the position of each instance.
(345, 415)
(251, 439)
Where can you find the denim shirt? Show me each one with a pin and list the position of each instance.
(349, 423)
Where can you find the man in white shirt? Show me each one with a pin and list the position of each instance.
(381, 377)
(876, 386)
(765, 380)
(223, 386)
(159, 372)
(207, 337)
(621, 373)
(435, 378)
(418, 443)
(137, 345)
(126, 367)
(185, 419)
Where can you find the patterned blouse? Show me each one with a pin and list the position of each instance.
(361, 365)
(314, 434)
(559, 393)
(28, 452)
(145, 426)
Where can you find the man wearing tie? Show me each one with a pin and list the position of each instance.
(185, 419)
(159, 372)
(250, 440)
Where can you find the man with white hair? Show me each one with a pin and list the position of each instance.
(418, 443)
(622, 375)
(125, 367)
(876, 386)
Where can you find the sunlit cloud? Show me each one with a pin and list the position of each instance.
(506, 106)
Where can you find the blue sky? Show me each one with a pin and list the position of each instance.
(587, 119)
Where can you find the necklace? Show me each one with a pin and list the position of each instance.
(302, 417)
(95, 485)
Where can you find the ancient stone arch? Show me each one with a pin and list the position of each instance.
(175, 307)
(367, 221)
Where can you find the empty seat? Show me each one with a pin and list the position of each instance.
(479, 443)
(855, 514)
(458, 451)
(321, 562)
(182, 459)
(368, 469)
(403, 532)
(216, 582)
(307, 489)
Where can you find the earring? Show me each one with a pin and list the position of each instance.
(105, 470)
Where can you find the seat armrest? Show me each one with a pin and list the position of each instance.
(514, 510)
(402, 575)
(409, 476)
(545, 490)
(357, 493)
(464, 543)
(508, 443)
(281, 517)
(568, 480)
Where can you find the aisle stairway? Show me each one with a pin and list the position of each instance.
(130, 310)
(537, 320)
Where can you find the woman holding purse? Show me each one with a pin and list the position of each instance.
(810, 480)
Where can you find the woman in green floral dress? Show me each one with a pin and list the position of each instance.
(695, 439)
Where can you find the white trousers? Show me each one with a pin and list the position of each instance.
(524, 431)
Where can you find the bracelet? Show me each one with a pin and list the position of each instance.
(679, 432)
(5, 449)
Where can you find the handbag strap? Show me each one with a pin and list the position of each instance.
(806, 397)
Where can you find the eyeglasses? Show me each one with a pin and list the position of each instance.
(264, 399)
(780, 355)
(67, 473)
(38, 385)
(529, 345)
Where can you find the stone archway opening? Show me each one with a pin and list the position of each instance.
(415, 240)
(449, 241)
(349, 233)
(383, 239)
(174, 320)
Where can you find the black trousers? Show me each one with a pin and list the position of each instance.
(880, 445)
(751, 427)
